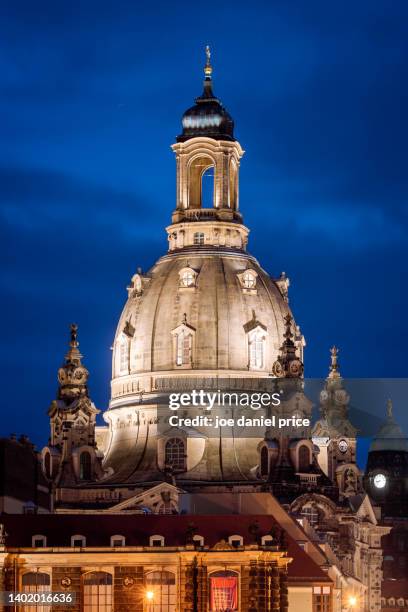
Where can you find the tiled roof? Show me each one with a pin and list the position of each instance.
(98, 529)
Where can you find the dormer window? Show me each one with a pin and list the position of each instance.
(248, 280)
(198, 238)
(187, 278)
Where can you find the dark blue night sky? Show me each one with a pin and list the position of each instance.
(92, 97)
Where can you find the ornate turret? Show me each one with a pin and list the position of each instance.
(71, 456)
(334, 434)
(73, 376)
(288, 364)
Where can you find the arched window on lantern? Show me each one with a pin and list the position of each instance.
(175, 454)
(201, 181)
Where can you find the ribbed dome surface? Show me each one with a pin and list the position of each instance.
(217, 308)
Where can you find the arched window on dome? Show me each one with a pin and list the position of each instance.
(256, 349)
(123, 354)
(184, 347)
(174, 454)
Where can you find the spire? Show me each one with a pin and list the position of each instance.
(73, 376)
(208, 92)
(288, 364)
(334, 365)
(208, 67)
(73, 356)
(389, 410)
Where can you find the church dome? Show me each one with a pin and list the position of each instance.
(207, 117)
(390, 436)
(217, 300)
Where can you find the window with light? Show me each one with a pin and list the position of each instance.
(249, 280)
(321, 599)
(198, 238)
(187, 279)
(175, 454)
(224, 591)
(98, 592)
(36, 582)
(161, 591)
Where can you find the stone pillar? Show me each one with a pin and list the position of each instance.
(67, 580)
(189, 587)
(284, 601)
(275, 589)
(129, 589)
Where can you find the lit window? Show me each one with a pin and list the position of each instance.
(36, 582)
(98, 592)
(175, 454)
(187, 278)
(224, 591)
(198, 238)
(321, 599)
(184, 347)
(249, 280)
(161, 591)
(256, 350)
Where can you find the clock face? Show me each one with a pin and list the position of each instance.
(343, 446)
(380, 480)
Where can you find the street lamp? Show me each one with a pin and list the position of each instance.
(149, 598)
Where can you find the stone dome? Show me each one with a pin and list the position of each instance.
(390, 436)
(218, 309)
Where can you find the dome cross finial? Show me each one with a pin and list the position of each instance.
(208, 67)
